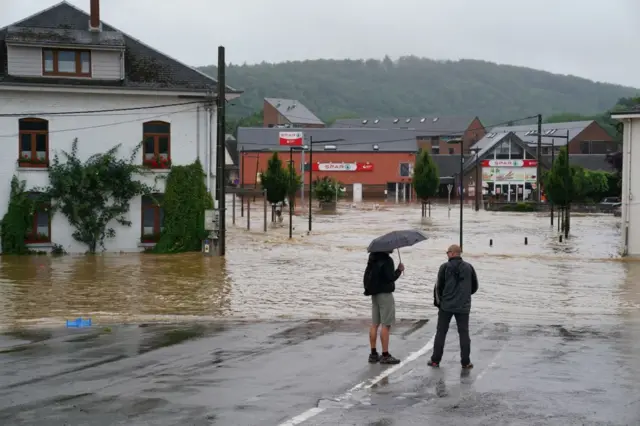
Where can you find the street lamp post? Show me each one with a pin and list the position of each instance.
(478, 177)
(311, 142)
(461, 178)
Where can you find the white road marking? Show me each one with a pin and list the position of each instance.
(367, 384)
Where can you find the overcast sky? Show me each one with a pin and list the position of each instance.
(596, 39)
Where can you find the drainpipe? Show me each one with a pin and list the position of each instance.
(198, 132)
(628, 197)
(207, 123)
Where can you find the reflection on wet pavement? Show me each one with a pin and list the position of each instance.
(265, 275)
(265, 373)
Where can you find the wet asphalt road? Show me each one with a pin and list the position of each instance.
(250, 373)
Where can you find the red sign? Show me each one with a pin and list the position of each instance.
(509, 163)
(342, 167)
(291, 138)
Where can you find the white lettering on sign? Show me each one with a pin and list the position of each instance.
(291, 135)
(343, 167)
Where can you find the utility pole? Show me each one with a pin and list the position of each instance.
(220, 180)
(539, 153)
(310, 177)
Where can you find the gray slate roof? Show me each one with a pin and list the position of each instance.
(574, 127)
(294, 111)
(146, 68)
(56, 36)
(353, 140)
(427, 126)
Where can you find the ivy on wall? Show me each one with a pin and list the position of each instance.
(17, 219)
(94, 193)
(185, 200)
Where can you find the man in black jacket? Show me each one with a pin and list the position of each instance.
(457, 281)
(380, 282)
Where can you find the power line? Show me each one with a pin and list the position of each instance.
(117, 123)
(97, 111)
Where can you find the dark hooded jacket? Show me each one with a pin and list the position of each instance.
(380, 275)
(457, 281)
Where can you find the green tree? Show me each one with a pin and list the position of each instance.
(558, 182)
(184, 202)
(327, 189)
(275, 180)
(94, 194)
(426, 178)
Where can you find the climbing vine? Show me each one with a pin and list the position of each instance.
(18, 218)
(184, 202)
(94, 193)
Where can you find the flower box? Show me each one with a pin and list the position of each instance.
(158, 163)
(27, 161)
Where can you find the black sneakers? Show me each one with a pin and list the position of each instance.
(383, 359)
(389, 359)
(467, 366)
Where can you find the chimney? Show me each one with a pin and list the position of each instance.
(94, 21)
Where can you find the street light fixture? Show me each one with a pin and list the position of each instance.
(459, 142)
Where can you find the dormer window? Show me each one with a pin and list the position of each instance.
(66, 63)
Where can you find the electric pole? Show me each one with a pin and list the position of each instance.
(539, 155)
(220, 172)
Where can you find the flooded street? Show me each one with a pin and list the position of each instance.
(266, 275)
(284, 341)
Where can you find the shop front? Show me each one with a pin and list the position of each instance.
(509, 180)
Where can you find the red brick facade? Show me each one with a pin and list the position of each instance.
(386, 168)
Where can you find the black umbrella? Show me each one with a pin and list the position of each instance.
(395, 240)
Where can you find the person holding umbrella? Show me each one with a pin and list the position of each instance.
(380, 277)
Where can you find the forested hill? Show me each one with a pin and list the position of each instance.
(413, 86)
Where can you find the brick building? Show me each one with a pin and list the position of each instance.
(380, 159)
(288, 113)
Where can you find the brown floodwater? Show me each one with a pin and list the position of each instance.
(266, 275)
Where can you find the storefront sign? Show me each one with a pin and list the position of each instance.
(291, 138)
(509, 163)
(342, 167)
(509, 174)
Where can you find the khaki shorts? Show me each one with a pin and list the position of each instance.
(383, 309)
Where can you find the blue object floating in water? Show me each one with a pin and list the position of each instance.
(79, 322)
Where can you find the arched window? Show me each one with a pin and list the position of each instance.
(39, 229)
(34, 142)
(152, 217)
(157, 144)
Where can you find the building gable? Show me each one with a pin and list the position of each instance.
(144, 67)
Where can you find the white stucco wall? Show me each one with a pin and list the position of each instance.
(630, 182)
(97, 133)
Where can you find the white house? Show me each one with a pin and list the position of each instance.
(630, 181)
(64, 74)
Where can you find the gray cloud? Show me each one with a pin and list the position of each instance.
(588, 38)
